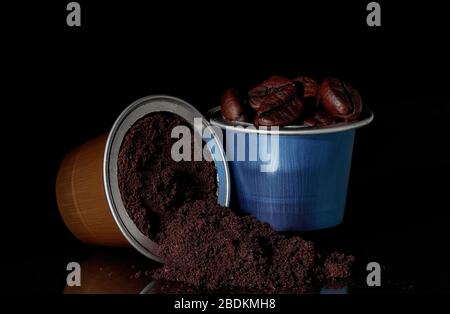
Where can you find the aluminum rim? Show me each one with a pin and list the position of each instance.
(135, 111)
(216, 120)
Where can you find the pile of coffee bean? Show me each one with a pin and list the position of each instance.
(279, 101)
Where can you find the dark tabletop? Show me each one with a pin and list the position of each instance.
(66, 86)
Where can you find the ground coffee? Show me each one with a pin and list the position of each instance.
(203, 244)
(152, 185)
(215, 248)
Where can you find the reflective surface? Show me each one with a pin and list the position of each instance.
(125, 271)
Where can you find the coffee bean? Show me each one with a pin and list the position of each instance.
(308, 86)
(310, 121)
(282, 115)
(324, 118)
(232, 106)
(340, 99)
(283, 89)
(277, 98)
(275, 102)
(320, 118)
(281, 101)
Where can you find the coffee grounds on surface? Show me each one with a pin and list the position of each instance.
(203, 244)
(152, 185)
(216, 249)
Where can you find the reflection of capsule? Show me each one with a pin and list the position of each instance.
(169, 287)
(114, 271)
(336, 287)
(343, 290)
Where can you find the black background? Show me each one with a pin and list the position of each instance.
(64, 86)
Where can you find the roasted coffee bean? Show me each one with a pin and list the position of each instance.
(308, 86)
(340, 99)
(283, 115)
(308, 89)
(281, 101)
(310, 121)
(277, 98)
(324, 118)
(320, 118)
(232, 106)
(283, 87)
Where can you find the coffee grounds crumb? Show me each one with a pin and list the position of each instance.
(148, 273)
(337, 265)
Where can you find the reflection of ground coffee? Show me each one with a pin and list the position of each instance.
(203, 244)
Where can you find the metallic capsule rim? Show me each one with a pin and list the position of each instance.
(216, 120)
(140, 108)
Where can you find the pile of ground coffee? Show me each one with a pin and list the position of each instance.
(214, 248)
(203, 244)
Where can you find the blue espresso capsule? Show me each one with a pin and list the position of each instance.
(295, 179)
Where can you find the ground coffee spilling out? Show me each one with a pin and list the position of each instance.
(203, 244)
(215, 248)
